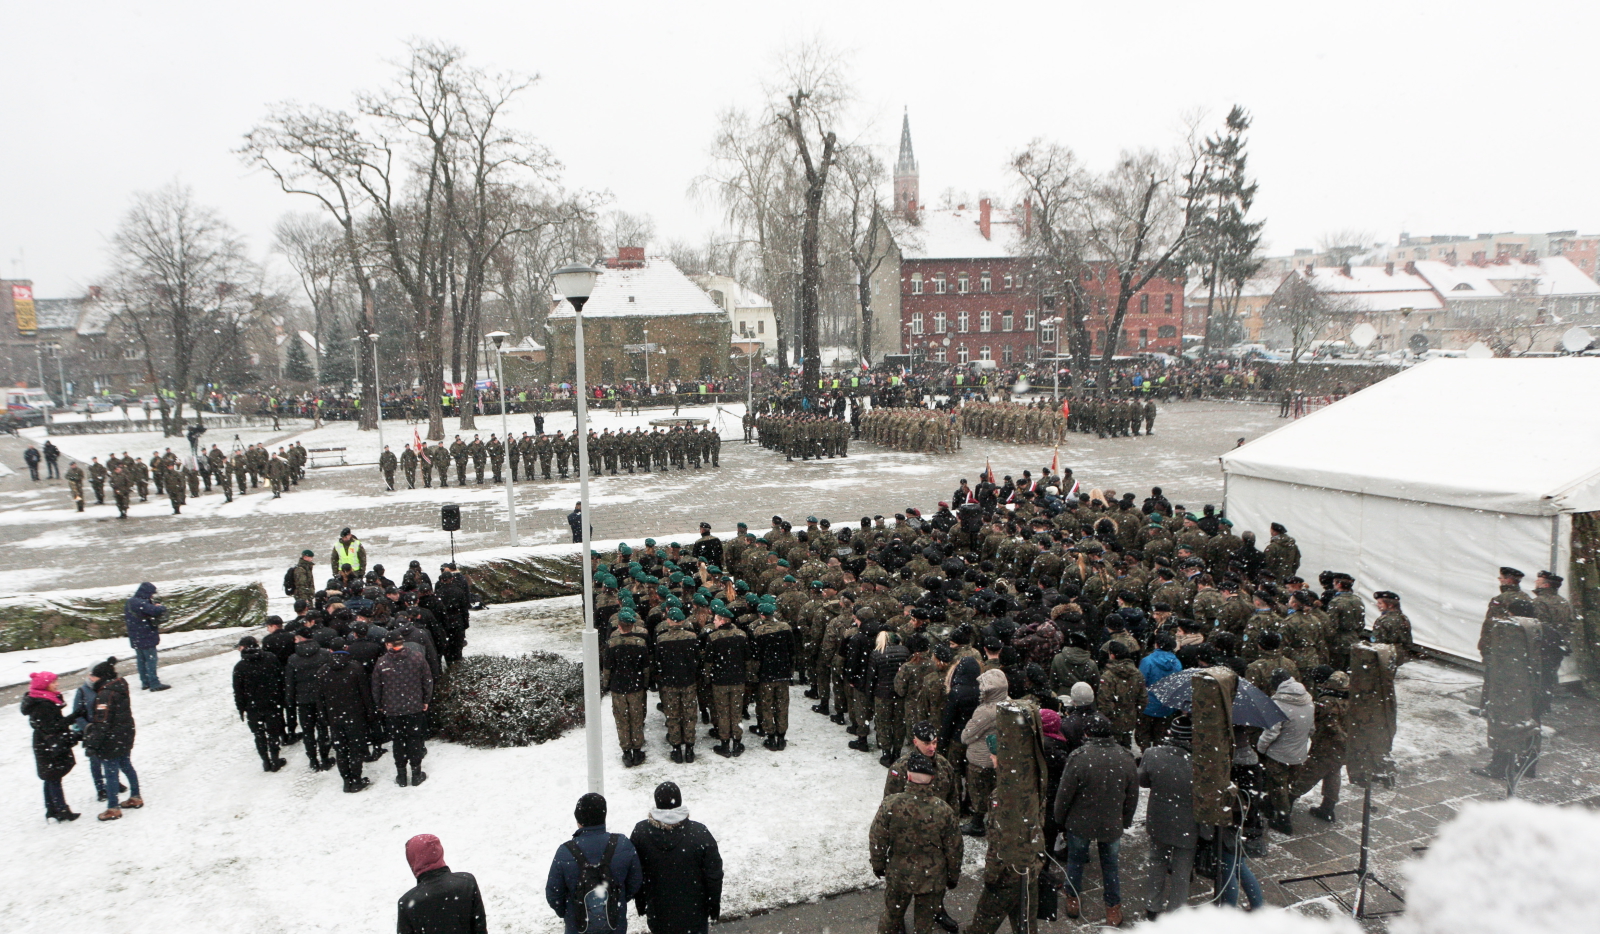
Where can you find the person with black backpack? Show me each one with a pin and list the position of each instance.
(300, 581)
(594, 875)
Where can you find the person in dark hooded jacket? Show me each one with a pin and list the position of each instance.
(142, 614)
(300, 691)
(959, 704)
(52, 741)
(682, 890)
(442, 902)
(258, 696)
(344, 701)
(109, 738)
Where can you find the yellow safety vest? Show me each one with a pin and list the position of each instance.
(349, 554)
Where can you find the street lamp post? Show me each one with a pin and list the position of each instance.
(500, 374)
(1054, 322)
(575, 283)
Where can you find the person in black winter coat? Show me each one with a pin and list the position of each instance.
(959, 704)
(109, 738)
(887, 706)
(856, 652)
(682, 866)
(455, 593)
(258, 696)
(52, 741)
(344, 701)
(442, 902)
(300, 692)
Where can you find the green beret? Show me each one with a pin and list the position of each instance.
(766, 609)
(713, 569)
(649, 543)
(783, 562)
(608, 581)
(740, 586)
(700, 600)
(723, 611)
(675, 613)
(624, 549)
(788, 579)
(817, 585)
(743, 526)
(674, 545)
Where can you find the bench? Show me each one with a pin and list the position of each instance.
(313, 453)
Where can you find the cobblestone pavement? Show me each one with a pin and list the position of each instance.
(46, 545)
(1404, 820)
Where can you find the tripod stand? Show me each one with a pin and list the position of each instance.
(1363, 871)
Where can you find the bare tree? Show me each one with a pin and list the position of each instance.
(315, 250)
(1052, 184)
(1341, 246)
(808, 105)
(620, 229)
(864, 228)
(1301, 313)
(183, 287)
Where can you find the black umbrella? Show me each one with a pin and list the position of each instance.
(1250, 706)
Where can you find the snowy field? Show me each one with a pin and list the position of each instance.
(791, 825)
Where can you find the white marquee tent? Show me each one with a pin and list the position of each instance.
(1430, 481)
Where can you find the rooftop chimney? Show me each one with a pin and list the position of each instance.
(629, 257)
(983, 218)
(1345, 270)
(1411, 267)
(1027, 217)
(1388, 269)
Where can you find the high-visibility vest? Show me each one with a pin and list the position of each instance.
(349, 554)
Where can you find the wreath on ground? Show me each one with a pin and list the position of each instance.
(495, 701)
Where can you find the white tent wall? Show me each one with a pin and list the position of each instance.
(1441, 560)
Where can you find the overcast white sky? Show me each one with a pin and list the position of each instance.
(1432, 118)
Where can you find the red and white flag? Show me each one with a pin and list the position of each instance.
(971, 497)
(988, 471)
(1055, 461)
(421, 450)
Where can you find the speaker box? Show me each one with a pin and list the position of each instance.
(1373, 712)
(450, 517)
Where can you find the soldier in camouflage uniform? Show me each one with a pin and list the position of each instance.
(387, 463)
(916, 849)
(677, 658)
(496, 450)
(1349, 617)
(459, 453)
(1393, 627)
(408, 463)
(626, 674)
(480, 457)
(1328, 734)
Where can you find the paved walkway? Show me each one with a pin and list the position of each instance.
(1404, 819)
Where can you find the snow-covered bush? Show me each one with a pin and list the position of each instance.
(491, 700)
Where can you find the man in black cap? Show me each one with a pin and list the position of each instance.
(591, 846)
(402, 686)
(1500, 608)
(1392, 627)
(1564, 632)
(682, 867)
(916, 848)
(925, 743)
(707, 547)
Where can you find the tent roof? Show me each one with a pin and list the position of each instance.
(1513, 436)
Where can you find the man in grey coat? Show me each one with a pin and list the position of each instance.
(1168, 771)
(402, 686)
(1095, 803)
(1285, 746)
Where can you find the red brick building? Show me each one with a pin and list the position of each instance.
(963, 294)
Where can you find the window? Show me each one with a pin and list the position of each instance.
(962, 354)
(1144, 337)
(984, 353)
(1008, 282)
(916, 323)
(716, 296)
(938, 322)
(761, 326)
(984, 283)
(1144, 304)
(1166, 304)
(1005, 320)
(1047, 333)
(1168, 332)
(1005, 353)
(938, 284)
(963, 322)
(916, 283)
(985, 319)
(961, 284)
(939, 355)
(1028, 321)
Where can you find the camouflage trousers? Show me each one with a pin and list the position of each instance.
(980, 787)
(822, 680)
(1324, 770)
(896, 899)
(888, 715)
(1007, 894)
(681, 708)
(860, 713)
(1280, 784)
(772, 707)
(629, 712)
(727, 702)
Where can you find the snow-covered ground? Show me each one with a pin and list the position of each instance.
(791, 825)
(223, 847)
(16, 666)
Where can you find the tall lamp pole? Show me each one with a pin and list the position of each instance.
(1054, 322)
(500, 374)
(575, 283)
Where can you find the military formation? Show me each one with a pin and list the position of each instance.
(1112, 416)
(1043, 422)
(803, 437)
(176, 478)
(546, 457)
(907, 428)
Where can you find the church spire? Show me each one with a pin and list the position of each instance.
(905, 172)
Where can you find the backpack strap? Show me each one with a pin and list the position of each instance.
(611, 849)
(577, 854)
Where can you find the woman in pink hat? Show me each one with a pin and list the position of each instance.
(52, 741)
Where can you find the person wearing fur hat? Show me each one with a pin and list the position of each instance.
(52, 741)
(442, 902)
(682, 867)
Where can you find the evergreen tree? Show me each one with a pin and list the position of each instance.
(338, 359)
(1226, 252)
(296, 366)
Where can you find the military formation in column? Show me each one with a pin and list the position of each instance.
(545, 457)
(934, 431)
(178, 480)
(804, 436)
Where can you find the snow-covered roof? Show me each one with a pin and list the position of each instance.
(655, 289)
(954, 234)
(1375, 288)
(1258, 286)
(1436, 434)
(57, 314)
(1552, 275)
(310, 340)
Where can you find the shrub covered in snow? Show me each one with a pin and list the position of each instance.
(493, 701)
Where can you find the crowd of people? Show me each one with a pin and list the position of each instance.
(802, 436)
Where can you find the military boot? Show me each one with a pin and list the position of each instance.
(677, 753)
(722, 749)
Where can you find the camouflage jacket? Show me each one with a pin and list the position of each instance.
(915, 843)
